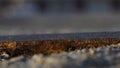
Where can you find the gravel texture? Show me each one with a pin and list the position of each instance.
(102, 57)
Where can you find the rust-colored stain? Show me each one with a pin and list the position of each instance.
(29, 48)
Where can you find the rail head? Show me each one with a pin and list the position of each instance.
(64, 36)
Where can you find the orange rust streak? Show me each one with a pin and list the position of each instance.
(53, 46)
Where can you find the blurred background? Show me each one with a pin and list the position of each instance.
(58, 16)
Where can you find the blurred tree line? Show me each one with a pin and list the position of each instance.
(7, 6)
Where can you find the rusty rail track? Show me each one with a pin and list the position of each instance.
(28, 45)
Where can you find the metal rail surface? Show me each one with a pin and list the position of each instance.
(65, 36)
(16, 45)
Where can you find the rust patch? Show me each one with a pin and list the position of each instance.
(29, 48)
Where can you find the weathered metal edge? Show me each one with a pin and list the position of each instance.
(58, 36)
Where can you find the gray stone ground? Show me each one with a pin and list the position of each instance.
(103, 57)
